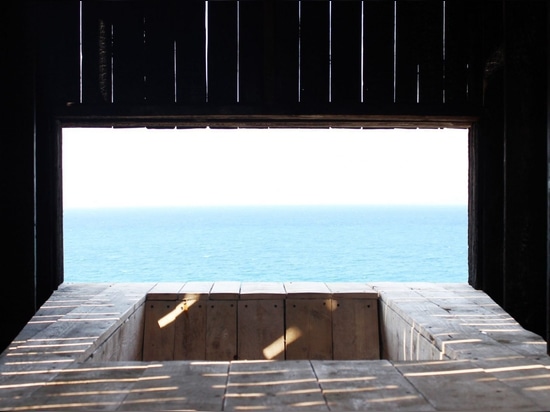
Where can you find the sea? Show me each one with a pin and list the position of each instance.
(267, 243)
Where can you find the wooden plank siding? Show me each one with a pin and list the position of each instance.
(96, 53)
(128, 48)
(224, 321)
(419, 52)
(376, 56)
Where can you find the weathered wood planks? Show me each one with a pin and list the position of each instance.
(231, 320)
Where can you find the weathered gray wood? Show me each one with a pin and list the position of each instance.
(307, 290)
(159, 331)
(262, 290)
(227, 290)
(261, 329)
(367, 385)
(165, 291)
(273, 385)
(221, 330)
(190, 334)
(352, 290)
(126, 342)
(195, 290)
(460, 385)
(308, 328)
(179, 386)
(89, 387)
(528, 375)
(355, 329)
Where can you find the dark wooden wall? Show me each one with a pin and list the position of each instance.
(508, 146)
(283, 63)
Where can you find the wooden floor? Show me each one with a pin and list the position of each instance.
(48, 367)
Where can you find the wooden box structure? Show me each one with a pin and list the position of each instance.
(229, 320)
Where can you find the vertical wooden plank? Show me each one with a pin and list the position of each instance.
(190, 37)
(378, 72)
(314, 52)
(221, 330)
(431, 53)
(58, 60)
(222, 52)
(355, 329)
(190, 334)
(419, 49)
(96, 53)
(251, 51)
(190, 331)
(261, 329)
(128, 52)
(159, 330)
(160, 77)
(286, 54)
(407, 21)
(456, 53)
(309, 328)
(346, 52)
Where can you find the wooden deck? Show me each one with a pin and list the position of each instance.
(447, 347)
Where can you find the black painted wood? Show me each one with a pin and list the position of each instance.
(17, 294)
(548, 174)
(419, 43)
(251, 52)
(487, 145)
(128, 48)
(314, 52)
(456, 52)
(160, 76)
(57, 79)
(190, 36)
(346, 52)
(525, 164)
(378, 52)
(222, 52)
(285, 63)
(96, 53)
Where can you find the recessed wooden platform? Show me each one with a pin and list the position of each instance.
(448, 347)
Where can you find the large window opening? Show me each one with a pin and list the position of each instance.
(265, 205)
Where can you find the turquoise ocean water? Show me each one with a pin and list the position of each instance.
(280, 243)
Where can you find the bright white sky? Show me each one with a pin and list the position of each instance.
(196, 167)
